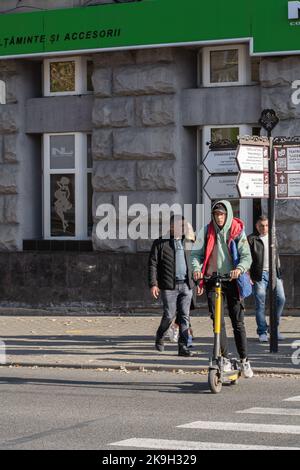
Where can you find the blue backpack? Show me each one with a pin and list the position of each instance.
(243, 282)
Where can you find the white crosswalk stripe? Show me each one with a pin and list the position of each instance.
(169, 444)
(243, 427)
(271, 411)
(292, 399)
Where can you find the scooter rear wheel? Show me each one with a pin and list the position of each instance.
(214, 381)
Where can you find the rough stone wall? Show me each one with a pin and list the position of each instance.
(136, 136)
(277, 76)
(9, 161)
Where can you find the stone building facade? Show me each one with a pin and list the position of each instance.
(149, 116)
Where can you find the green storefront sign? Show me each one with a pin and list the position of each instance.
(265, 24)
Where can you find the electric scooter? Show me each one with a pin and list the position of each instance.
(216, 374)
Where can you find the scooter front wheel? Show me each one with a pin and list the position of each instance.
(214, 381)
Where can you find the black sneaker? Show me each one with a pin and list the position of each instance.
(159, 345)
(185, 353)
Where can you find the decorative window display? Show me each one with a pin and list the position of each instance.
(67, 186)
(67, 76)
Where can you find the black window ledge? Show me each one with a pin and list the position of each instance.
(57, 245)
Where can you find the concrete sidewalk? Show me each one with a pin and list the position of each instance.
(127, 343)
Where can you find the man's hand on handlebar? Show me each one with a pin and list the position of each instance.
(235, 274)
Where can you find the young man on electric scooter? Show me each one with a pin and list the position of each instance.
(213, 252)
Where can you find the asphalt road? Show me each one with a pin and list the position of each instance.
(80, 409)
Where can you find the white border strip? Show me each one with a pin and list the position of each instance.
(150, 46)
(190, 445)
(271, 411)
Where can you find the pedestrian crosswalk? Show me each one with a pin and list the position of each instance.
(240, 427)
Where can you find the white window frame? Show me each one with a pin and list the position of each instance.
(80, 171)
(2, 92)
(80, 76)
(244, 65)
(88, 170)
(246, 205)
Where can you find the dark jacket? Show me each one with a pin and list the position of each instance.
(161, 265)
(257, 251)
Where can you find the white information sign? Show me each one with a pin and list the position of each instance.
(222, 187)
(252, 158)
(253, 185)
(221, 161)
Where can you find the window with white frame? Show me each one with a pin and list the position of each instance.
(67, 186)
(67, 76)
(242, 208)
(2, 92)
(226, 65)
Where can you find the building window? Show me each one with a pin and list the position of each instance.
(242, 208)
(67, 186)
(2, 92)
(67, 76)
(226, 65)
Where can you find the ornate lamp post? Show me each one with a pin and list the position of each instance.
(269, 121)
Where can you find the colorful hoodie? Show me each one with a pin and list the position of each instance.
(212, 235)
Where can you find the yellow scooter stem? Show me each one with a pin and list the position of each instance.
(218, 310)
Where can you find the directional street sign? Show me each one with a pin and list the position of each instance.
(221, 187)
(221, 161)
(288, 186)
(287, 158)
(252, 158)
(253, 185)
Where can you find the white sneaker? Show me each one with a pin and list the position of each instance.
(263, 338)
(246, 369)
(173, 333)
(280, 337)
(227, 366)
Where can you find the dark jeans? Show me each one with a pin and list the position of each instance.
(236, 313)
(178, 300)
(260, 293)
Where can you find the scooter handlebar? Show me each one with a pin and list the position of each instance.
(218, 277)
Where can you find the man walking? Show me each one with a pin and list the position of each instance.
(170, 275)
(213, 253)
(259, 245)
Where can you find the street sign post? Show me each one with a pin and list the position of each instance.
(269, 121)
(269, 168)
(222, 187)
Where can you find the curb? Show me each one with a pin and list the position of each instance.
(202, 370)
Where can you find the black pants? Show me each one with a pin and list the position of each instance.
(236, 314)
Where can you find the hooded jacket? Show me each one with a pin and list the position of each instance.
(212, 235)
